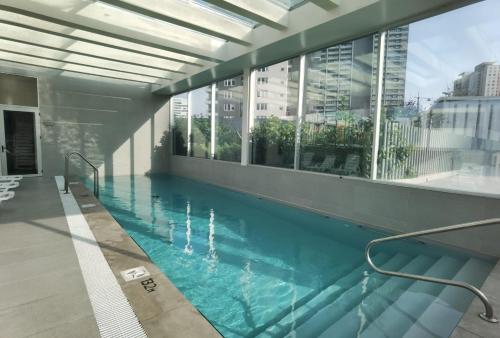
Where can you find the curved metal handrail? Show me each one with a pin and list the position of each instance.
(488, 315)
(66, 172)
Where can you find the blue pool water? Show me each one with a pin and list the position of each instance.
(253, 267)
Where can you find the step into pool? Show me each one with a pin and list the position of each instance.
(256, 268)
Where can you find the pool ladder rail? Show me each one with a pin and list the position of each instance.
(66, 172)
(488, 315)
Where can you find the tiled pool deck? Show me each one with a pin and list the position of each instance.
(42, 291)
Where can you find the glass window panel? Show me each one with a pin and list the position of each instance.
(336, 133)
(201, 121)
(275, 114)
(180, 125)
(228, 119)
(441, 121)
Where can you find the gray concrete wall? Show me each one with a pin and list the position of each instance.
(119, 125)
(388, 206)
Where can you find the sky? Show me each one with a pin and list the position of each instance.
(442, 47)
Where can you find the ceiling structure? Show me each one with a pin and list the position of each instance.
(160, 42)
(154, 41)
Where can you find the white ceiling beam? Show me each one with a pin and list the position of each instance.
(187, 15)
(95, 56)
(262, 11)
(90, 41)
(326, 4)
(78, 23)
(80, 64)
(76, 71)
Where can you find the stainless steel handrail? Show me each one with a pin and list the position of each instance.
(66, 172)
(488, 315)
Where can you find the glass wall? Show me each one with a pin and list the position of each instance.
(201, 101)
(336, 133)
(275, 114)
(180, 136)
(441, 118)
(228, 119)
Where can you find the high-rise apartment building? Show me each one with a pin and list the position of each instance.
(229, 101)
(483, 81)
(349, 81)
(396, 56)
(338, 78)
(276, 89)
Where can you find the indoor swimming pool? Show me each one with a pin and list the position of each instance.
(256, 268)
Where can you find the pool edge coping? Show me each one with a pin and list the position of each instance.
(163, 311)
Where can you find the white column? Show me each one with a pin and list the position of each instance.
(247, 114)
(378, 103)
(300, 111)
(189, 114)
(171, 126)
(212, 122)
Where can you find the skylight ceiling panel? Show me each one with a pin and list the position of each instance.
(117, 65)
(29, 49)
(9, 31)
(90, 61)
(110, 73)
(190, 15)
(221, 11)
(287, 4)
(69, 74)
(45, 25)
(64, 6)
(263, 11)
(72, 45)
(156, 28)
(69, 67)
(125, 56)
(135, 46)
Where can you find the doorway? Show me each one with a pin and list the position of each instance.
(20, 141)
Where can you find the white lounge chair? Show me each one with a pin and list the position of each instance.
(351, 165)
(9, 184)
(6, 195)
(326, 166)
(306, 160)
(11, 178)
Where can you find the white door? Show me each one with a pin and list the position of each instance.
(20, 148)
